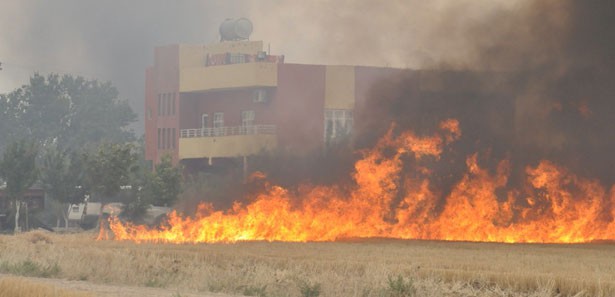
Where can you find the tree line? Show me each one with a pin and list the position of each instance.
(71, 136)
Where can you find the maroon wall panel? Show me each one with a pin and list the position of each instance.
(299, 107)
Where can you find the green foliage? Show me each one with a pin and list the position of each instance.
(255, 291)
(109, 168)
(30, 268)
(160, 187)
(164, 184)
(399, 287)
(65, 111)
(62, 176)
(18, 168)
(309, 290)
(135, 206)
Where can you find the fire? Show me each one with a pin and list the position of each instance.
(556, 206)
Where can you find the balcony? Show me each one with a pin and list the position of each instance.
(228, 131)
(226, 142)
(245, 75)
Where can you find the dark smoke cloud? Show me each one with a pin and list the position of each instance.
(107, 40)
(535, 84)
(528, 79)
(396, 33)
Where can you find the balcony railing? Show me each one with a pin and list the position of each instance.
(228, 131)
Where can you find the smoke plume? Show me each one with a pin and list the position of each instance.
(527, 80)
(534, 84)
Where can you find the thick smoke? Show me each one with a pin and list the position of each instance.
(395, 33)
(535, 84)
(528, 80)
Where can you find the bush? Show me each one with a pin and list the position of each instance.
(255, 291)
(399, 287)
(309, 290)
(40, 237)
(29, 268)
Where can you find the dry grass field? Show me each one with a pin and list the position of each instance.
(18, 287)
(354, 268)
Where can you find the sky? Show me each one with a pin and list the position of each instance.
(114, 40)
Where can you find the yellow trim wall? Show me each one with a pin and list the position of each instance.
(191, 56)
(339, 87)
(228, 76)
(225, 146)
(196, 55)
(238, 47)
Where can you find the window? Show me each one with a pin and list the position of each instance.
(260, 96)
(218, 123)
(247, 118)
(237, 58)
(159, 104)
(218, 120)
(163, 107)
(204, 121)
(168, 144)
(159, 138)
(164, 138)
(173, 139)
(168, 104)
(338, 125)
(173, 104)
(168, 138)
(247, 121)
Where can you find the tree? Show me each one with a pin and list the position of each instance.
(18, 169)
(65, 111)
(136, 201)
(9, 126)
(160, 187)
(108, 170)
(62, 176)
(164, 184)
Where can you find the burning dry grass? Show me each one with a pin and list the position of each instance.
(354, 268)
(17, 287)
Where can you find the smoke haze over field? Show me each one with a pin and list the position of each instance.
(552, 64)
(107, 40)
(114, 40)
(555, 58)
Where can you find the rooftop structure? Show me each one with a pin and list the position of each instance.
(205, 103)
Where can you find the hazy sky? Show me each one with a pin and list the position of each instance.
(114, 40)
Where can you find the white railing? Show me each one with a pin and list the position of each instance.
(228, 131)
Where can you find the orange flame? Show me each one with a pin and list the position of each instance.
(384, 203)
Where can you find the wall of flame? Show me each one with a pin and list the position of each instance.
(383, 203)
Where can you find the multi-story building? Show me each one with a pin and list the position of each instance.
(207, 103)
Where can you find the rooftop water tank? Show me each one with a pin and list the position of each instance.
(235, 29)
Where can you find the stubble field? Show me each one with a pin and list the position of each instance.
(352, 268)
